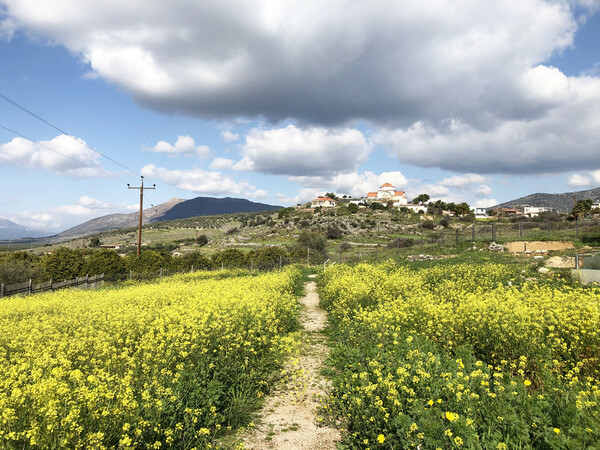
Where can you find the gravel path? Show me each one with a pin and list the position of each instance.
(288, 418)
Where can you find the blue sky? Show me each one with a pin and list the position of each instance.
(277, 101)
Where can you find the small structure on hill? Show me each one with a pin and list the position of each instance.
(387, 192)
(324, 202)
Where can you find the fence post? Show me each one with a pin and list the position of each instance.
(222, 266)
(421, 242)
(548, 229)
(308, 256)
(493, 233)
(2, 290)
(457, 238)
(340, 257)
(376, 253)
(130, 273)
(192, 269)
(51, 287)
(577, 261)
(87, 280)
(473, 233)
(280, 261)
(251, 264)
(30, 290)
(521, 230)
(442, 237)
(576, 228)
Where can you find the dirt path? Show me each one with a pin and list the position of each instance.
(288, 419)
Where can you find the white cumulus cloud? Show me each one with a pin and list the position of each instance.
(183, 145)
(62, 154)
(228, 136)
(199, 180)
(309, 151)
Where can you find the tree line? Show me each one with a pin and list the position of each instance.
(65, 263)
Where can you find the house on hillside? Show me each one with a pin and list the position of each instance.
(596, 204)
(480, 213)
(324, 202)
(416, 208)
(386, 193)
(534, 211)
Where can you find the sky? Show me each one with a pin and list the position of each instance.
(277, 101)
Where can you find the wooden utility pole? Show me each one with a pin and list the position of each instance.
(141, 188)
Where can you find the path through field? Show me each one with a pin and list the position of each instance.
(288, 419)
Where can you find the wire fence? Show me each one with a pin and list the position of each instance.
(28, 287)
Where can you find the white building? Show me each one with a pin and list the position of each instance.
(387, 192)
(415, 208)
(324, 202)
(480, 213)
(534, 211)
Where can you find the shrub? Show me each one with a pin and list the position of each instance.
(427, 224)
(63, 264)
(400, 243)
(107, 262)
(334, 232)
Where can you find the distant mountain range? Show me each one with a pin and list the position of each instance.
(175, 208)
(10, 230)
(560, 202)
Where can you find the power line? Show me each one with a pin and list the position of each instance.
(62, 154)
(31, 113)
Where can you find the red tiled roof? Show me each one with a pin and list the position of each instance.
(324, 199)
(400, 193)
(372, 194)
(386, 185)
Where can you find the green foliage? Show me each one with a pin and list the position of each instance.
(106, 262)
(267, 257)
(230, 258)
(20, 266)
(202, 240)
(331, 195)
(149, 261)
(284, 212)
(376, 206)
(334, 232)
(63, 264)
(427, 225)
(191, 259)
(353, 208)
(313, 240)
(421, 198)
(342, 210)
(461, 209)
(95, 242)
(582, 207)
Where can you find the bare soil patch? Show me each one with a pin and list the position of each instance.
(288, 419)
(532, 246)
(567, 262)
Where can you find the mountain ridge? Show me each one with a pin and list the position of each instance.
(561, 202)
(174, 208)
(10, 230)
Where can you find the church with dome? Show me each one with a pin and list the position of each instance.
(386, 193)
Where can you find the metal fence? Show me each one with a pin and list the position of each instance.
(28, 287)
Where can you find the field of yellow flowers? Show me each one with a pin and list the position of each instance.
(168, 364)
(462, 356)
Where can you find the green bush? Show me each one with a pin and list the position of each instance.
(63, 264)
